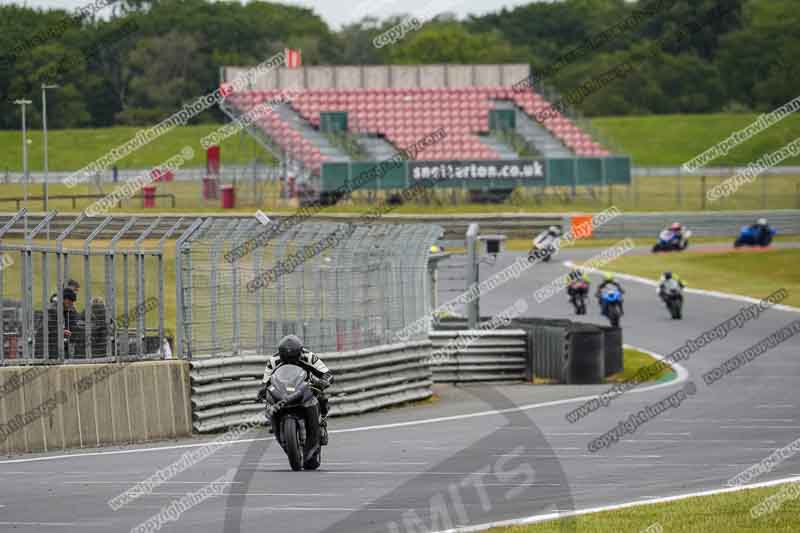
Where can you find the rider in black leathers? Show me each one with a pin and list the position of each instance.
(292, 351)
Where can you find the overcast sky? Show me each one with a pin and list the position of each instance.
(335, 13)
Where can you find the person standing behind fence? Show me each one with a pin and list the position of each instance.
(73, 330)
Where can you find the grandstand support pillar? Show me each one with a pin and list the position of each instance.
(473, 275)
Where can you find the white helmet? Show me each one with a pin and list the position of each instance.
(762, 222)
(554, 229)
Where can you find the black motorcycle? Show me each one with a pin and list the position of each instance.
(578, 294)
(673, 297)
(294, 411)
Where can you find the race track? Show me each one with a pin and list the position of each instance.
(478, 454)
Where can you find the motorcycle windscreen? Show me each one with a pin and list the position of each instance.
(666, 235)
(287, 379)
(611, 294)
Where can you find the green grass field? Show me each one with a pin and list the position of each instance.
(661, 140)
(720, 513)
(70, 150)
(671, 140)
(749, 273)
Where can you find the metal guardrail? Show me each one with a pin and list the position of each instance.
(224, 388)
(524, 226)
(706, 224)
(491, 355)
(712, 171)
(513, 226)
(18, 200)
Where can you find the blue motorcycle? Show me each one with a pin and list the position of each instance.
(611, 303)
(669, 241)
(754, 236)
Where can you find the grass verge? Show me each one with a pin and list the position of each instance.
(719, 513)
(635, 360)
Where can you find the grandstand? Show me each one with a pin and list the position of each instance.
(388, 108)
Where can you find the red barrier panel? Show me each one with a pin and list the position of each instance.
(228, 197)
(212, 160)
(149, 195)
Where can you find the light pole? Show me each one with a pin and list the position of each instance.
(44, 127)
(23, 103)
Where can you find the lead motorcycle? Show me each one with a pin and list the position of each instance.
(294, 412)
(543, 248)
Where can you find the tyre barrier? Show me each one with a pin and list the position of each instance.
(586, 361)
(612, 346)
(549, 346)
(479, 355)
(224, 388)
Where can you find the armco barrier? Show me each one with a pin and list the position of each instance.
(479, 355)
(224, 388)
(89, 405)
(702, 224)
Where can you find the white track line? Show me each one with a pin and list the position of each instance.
(682, 375)
(703, 292)
(651, 501)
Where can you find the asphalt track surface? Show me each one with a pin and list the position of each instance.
(458, 461)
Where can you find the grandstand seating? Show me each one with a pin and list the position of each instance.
(403, 116)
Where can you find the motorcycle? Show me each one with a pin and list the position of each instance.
(611, 303)
(294, 412)
(750, 236)
(578, 299)
(669, 241)
(673, 297)
(544, 248)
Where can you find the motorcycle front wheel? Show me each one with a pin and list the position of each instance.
(294, 450)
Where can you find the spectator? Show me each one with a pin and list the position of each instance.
(73, 327)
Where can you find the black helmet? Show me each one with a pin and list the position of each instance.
(290, 348)
(667, 275)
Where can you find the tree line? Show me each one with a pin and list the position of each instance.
(146, 58)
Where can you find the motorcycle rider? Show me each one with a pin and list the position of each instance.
(761, 230)
(663, 283)
(677, 231)
(575, 284)
(292, 351)
(547, 239)
(607, 281)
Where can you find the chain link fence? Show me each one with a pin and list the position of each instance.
(367, 282)
(97, 296)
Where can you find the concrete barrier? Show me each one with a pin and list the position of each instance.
(46, 408)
